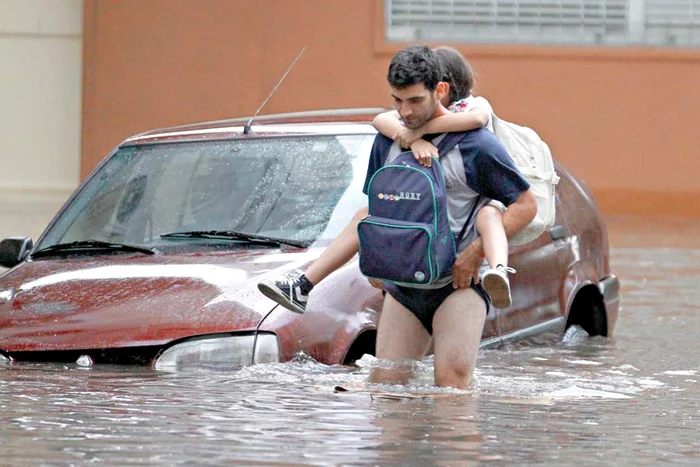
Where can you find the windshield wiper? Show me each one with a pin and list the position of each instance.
(238, 236)
(92, 245)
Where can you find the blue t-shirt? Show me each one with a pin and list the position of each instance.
(488, 168)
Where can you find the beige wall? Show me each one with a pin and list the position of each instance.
(623, 120)
(41, 73)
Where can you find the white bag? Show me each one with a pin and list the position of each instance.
(534, 160)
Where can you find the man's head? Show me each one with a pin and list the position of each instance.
(415, 77)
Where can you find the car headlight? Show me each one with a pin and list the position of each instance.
(226, 352)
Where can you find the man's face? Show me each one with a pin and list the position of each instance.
(416, 104)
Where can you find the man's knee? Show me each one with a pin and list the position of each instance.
(454, 370)
(391, 373)
(458, 327)
(489, 214)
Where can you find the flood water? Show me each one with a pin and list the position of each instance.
(632, 399)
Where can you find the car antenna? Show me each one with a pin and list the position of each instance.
(246, 128)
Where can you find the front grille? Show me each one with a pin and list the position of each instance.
(122, 356)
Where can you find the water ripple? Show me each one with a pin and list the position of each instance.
(631, 399)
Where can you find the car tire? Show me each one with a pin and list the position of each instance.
(574, 334)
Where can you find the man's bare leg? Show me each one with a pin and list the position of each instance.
(340, 251)
(457, 328)
(400, 337)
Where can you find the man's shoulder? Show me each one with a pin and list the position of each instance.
(382, 142)
(481, 139)
(479, 135)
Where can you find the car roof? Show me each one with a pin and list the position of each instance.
(332, 122)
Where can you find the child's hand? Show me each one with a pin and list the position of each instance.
(424, 152)
(406, 137)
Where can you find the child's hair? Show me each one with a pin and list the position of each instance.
(456, 72)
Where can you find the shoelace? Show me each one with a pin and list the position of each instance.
(292, 277)
(506, 269)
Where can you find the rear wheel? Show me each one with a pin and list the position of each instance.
(574, 334)
(587, 316)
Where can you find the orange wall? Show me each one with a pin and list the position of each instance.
(623, 120)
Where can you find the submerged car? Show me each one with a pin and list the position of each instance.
(156, 257)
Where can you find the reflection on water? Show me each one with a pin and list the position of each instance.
(628, 400)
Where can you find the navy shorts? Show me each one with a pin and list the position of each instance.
(424, 302)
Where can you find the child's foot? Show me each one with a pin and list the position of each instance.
(496, 284)
(292, 292)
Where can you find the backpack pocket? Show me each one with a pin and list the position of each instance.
(398, 251)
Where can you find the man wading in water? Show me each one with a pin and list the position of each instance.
(453, 310)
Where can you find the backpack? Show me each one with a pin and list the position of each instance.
(534, 160)
(406, 238)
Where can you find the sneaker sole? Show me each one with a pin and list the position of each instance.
(271, 291)
(498, 290)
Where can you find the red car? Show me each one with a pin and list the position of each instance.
(156, 257)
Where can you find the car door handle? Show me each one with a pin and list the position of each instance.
(557, 232)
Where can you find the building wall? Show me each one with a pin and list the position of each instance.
(623, 120)
(40, 110)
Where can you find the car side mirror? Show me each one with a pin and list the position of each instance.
(14, 250)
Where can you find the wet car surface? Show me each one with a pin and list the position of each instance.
(156, 257)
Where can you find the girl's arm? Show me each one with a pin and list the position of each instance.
(458, 121)
(388, 123)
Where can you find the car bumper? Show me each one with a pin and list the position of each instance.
(610, 290)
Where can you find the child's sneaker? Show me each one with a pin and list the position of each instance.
(495, 282)
(292, 292)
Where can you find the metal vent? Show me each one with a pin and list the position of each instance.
(605, 22)
(672, 22)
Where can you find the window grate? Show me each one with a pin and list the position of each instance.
(672, 22)
(614, 22)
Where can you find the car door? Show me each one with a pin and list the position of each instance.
(541, 266)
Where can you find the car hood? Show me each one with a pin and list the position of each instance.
(130, 301)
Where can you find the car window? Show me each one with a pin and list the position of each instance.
(283, 187)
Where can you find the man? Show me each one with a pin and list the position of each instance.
(476, 170)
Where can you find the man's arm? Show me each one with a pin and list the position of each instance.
(515, 218)
(518, 215)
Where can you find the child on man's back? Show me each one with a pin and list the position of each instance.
(468, 113)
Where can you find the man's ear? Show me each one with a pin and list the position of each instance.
(442, 90)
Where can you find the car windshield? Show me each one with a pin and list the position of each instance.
(302, 189)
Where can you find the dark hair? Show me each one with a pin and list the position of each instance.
(413, 65)
(456, 72)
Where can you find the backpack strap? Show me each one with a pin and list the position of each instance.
(458, 239)
(444, 146)
(449, 141)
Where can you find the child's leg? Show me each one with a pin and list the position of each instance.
(340, 251)
(293, 292)
(489, 224)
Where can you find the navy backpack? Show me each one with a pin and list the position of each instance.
(406, 238)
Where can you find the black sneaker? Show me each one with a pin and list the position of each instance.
(292, 292)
